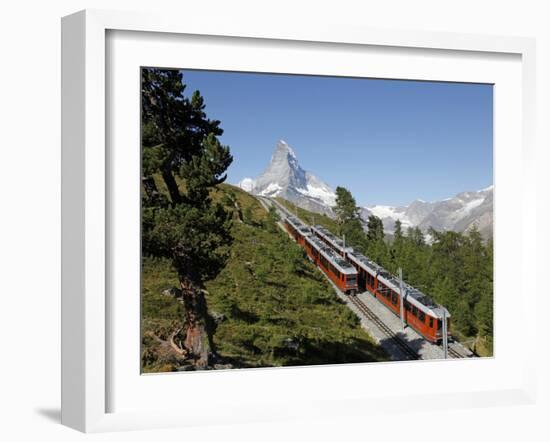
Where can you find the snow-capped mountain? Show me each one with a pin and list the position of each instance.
(458, 213)
(285, 177)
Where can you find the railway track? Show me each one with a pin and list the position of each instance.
(409, 353)
(454, 353)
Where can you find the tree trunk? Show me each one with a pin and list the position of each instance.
(198, 339)
(171, 185)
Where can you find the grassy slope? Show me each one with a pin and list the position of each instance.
(310, 217)
(275, 307)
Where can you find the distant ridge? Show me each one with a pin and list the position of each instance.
(458, 213)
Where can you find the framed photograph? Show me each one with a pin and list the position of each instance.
(250, 212)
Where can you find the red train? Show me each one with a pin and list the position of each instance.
(352, 272)
(340, 271)
(421, 312)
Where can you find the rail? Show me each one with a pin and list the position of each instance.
(409, 353)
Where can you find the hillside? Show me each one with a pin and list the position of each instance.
(270, 306)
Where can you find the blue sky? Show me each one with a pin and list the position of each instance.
(387, 141)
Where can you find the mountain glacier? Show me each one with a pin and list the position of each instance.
(458, 213)
(284, 177)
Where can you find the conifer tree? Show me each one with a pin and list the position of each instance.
(181, 148)
(349, 219)
(398, 232)
(375, 229)
(376, 246)
(396, 250)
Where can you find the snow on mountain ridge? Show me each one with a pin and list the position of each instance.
(458, 213)
(247, 184)
(272, 190)
(290, 150)
(285, 177)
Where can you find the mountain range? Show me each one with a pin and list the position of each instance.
(458, 213)
(285, 178)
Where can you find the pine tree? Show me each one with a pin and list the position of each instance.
(181, 145)
(398, 232)
(375, 229)
(349, 219)
(396, 250)
(346, 208)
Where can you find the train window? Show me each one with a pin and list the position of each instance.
(414, 310)
(394, 298)
(431, 322)
(421, 316)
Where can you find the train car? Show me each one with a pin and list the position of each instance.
(298, 230)
(340, 272)
(331, 240)
(328, 238)
(421, 312)
(366, 270)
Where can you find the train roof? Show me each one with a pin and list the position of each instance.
(365, 262)
(337, 242)
(299, 225)
(412, 294)
(334, 258)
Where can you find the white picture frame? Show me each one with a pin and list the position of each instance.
(85, 201)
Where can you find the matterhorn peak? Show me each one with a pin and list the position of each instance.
(283, 149)
(285, 177)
